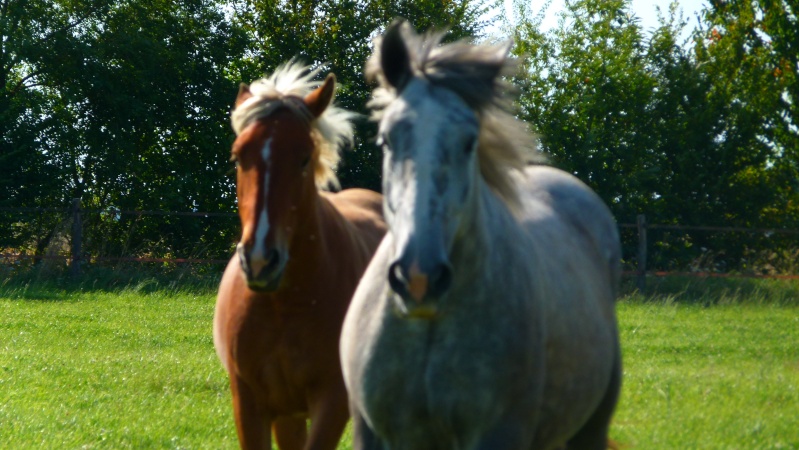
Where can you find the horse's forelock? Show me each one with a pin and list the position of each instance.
(287, 86)
(476, 73)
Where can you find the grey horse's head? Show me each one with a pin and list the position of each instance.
(433, 105)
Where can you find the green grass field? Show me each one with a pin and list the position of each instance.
(709, 364)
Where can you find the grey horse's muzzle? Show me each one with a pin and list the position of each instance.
(418, 278)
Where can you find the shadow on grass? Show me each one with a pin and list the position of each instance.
(58, 285)
(713, 291)
(44, 284)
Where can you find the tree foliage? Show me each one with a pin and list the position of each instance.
(750, 52)
(124, 104)
(336, 35)
(700, 135)
(587, 92)
(117, 103)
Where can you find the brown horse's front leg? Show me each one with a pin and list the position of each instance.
(291, 433)
(252, 424)
(329, 414)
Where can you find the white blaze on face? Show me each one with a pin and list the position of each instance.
(258, 257)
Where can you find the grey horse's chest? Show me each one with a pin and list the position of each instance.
(433, 382)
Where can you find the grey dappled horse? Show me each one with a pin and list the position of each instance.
(486, 319)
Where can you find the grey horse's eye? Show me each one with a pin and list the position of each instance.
(382, 143)
(470, 146)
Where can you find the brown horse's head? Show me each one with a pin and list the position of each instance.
(277, 154)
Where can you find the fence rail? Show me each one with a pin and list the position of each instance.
(76, 258)
(123, 212)
(660, 273)
(160, 213)
(708, 228)
(640, 273)
(116, 258)
(15, 209)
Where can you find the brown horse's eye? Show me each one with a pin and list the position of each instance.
(306, 161)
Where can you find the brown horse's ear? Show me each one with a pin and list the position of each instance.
(244, 94)
(318, 100)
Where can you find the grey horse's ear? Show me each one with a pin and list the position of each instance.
(495, 58)
(394, 57)
(503, 50)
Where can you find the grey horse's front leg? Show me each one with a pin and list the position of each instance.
(508, 435)
(594, 434)
(363, 438)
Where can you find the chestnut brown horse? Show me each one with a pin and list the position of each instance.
(285, 292)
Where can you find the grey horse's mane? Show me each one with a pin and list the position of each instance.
(286, 87)
(475, 73)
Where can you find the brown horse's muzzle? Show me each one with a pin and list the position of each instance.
(262, 270)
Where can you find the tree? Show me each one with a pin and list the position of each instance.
(119, 103)
(46, 45)
(36, 41)
(750, 51)
(336, 35)
(587, 90)
(126, 104)
(700, 136)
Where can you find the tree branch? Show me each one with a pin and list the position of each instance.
(12, 28)
(21, 83)
(80, 19)
(66, 28)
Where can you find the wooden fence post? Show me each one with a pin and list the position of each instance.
(77, 237)
(641, 222)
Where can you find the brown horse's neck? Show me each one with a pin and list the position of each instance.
(306, 243)
(309, 224)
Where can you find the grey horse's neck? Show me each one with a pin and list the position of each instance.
(476, 245)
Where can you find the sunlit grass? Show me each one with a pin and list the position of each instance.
(110, 370)
(134, 367)
(717, 377)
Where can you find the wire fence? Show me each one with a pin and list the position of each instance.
(637, 263)
(76, 257)
(644, 244)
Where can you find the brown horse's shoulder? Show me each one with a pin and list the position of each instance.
(358, 198)
(363, 209)
(358, 206)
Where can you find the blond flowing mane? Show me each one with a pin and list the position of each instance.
(475, 73)
(286, 87)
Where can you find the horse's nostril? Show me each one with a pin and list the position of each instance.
(431, 285)
(272, 260)
(439, 281)
(244, 260)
